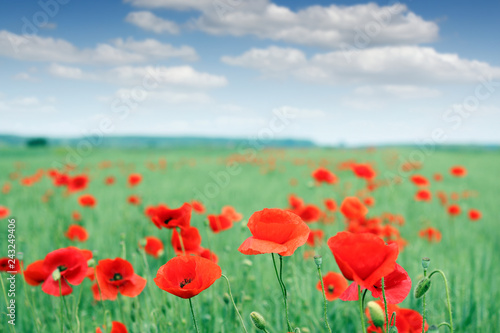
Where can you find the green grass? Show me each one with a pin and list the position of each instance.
(468, 253)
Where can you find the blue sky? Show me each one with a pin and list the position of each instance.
(347, 71)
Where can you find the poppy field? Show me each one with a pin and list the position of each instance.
(223, 240)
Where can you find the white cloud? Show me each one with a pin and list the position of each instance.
(397, 91)
(23, 76)
(17, 104)
(391, 65)
(164, 96)
(119, 51)
(148, 21)
(333, 26)
(294, 112)
(66, 72)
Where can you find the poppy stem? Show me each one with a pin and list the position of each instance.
(26, 291)
(385, 307)
(447, 295)
(324, 298)
(283, 288)
(234, 304)
(100, 297)
(423, 305)
(61, 306)
(363, 327)
(121, 307)
(194, 317)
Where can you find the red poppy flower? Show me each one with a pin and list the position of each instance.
(438, 177)
(219, 223)
(4, 212)
(117, 276)
(69, 264)
(110, 180)
(275, 231)
(207, 254)
(335, 284)
(76, 232)
(331, 205)
(35, 274)
(315, 237)
(187, 276)
(154, 246)
(458, 171)
(198, 207)
(454, 210)
(61, 179)
(475, 214)
(397, 286)
(191, 240)
(116, 327)
(295, 201)
(407, 320)
(78, 183)
(231, 214)
(369, 201)
(87, 200)
(76, 216)
(6, 188)
(163, 217)
(9, 265)
(134, 179)
(134, 200)
(309, 213)
(363, 258)
(353, 208)
(419, 180)
(363, 171)
(322, 175)
(423, 195)
(432, 234)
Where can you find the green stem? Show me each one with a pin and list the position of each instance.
(385, 307)
(26, 290)
(61, 306)
(324, 299)
(194, 317)
(180, 239)
(283, 288)
(234, 304)
(443, 324)
(360, 300)
(423, 306)
(447, 295)
(121, 308)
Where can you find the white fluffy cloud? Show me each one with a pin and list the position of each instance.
(406, 65)
(148, 21)
(16, 104)
(119, 51)
(363, 25)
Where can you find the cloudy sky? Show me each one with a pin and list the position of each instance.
(346, 71)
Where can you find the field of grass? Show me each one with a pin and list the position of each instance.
(468, 252)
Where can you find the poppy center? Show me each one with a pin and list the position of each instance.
(62, 268)
(330, 289)
(185, 282)
(168, 220)
(116, 277)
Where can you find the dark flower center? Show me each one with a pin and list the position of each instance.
(185, 282)
(330, 289)
(62, 268)
(116, 277)
(168, 220)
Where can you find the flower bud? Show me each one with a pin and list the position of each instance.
(91, 262)
(143, 242)
(426, 262)
(296, 330)
(258, 321)
(377, 314)
(432, 328)
(393, 329)
(422, 287)
(318, 260)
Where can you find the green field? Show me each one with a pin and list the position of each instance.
(468, 252)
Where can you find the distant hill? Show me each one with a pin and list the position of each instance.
(151, 142)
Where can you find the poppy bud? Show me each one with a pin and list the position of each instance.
(143, 242)
(426, 262)
(20, 256)
(226, 298)
(258, 321)
(247, 262)
(393, 329)
(318, 260)
(296, 330)
(91, 262)
(56, 274)
(376, 313)
(422, 287)
(432, 328)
